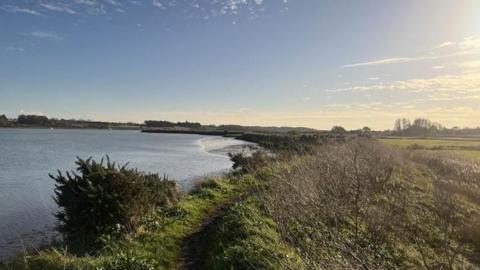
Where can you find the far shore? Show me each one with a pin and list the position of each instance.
(224, 133)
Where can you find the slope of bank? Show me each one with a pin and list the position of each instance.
(359, 205)
(155, 246)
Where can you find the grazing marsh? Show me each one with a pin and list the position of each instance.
(462, 147)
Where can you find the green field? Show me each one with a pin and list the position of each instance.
(464, 147)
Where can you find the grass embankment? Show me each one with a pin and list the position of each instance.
(358, 205)
(156, 245)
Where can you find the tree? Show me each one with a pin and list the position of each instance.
(401, 125)
(422, 123)
(3, 120)
(338, 130)
(366, 131)
(167, 124)
(33, 119)
(397, 127)
(406, 124)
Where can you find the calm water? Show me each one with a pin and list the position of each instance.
(28, 155)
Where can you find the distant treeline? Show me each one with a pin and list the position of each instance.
(419, 127)
(239, 128)
(44, 121)
(230, 128)
(167, 124)
(25, 120)
(425, 127)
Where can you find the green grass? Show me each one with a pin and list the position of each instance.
(457, 142)
(247, 238)
(467, 153)
(462, 147)
(157, 243)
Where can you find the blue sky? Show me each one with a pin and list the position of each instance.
(315, 63)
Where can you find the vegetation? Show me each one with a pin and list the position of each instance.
(422, 127)
(167, 124)
(45, 122)
(304, 202)
(3, 121)
(248, 238)
(101, 200)
(356, 205)
(32, 120)
(226, 129)
(290, 143)
(338, 130)
(156, 244)
(419, 127)
(469, 148)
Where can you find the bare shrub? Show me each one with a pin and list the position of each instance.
(456, 181)
(359, 205)
(461, 176)
(339, 197)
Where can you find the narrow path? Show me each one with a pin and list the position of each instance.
(196, 246)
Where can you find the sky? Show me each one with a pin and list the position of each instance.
(312, 63)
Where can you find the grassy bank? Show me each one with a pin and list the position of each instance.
(358, 205)
(156, 245)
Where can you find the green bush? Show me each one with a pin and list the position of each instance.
(101, 199)
(244, 163)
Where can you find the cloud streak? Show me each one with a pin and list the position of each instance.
(15, 9)
(462, 84)
(396, 60)
(44, 35)
(467, 46)
(58, 7)
(98, 7)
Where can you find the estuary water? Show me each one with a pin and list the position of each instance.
(27, 156)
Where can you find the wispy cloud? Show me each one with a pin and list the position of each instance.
(467, 46)
(15, 9)
(204, 9)
(396, 60)
(158, 4)
(445, 44)
(46, 35)
(113, 2)
(468, 43)
(58, 7)
(464, 83)
(86, 2)
(15, 49)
